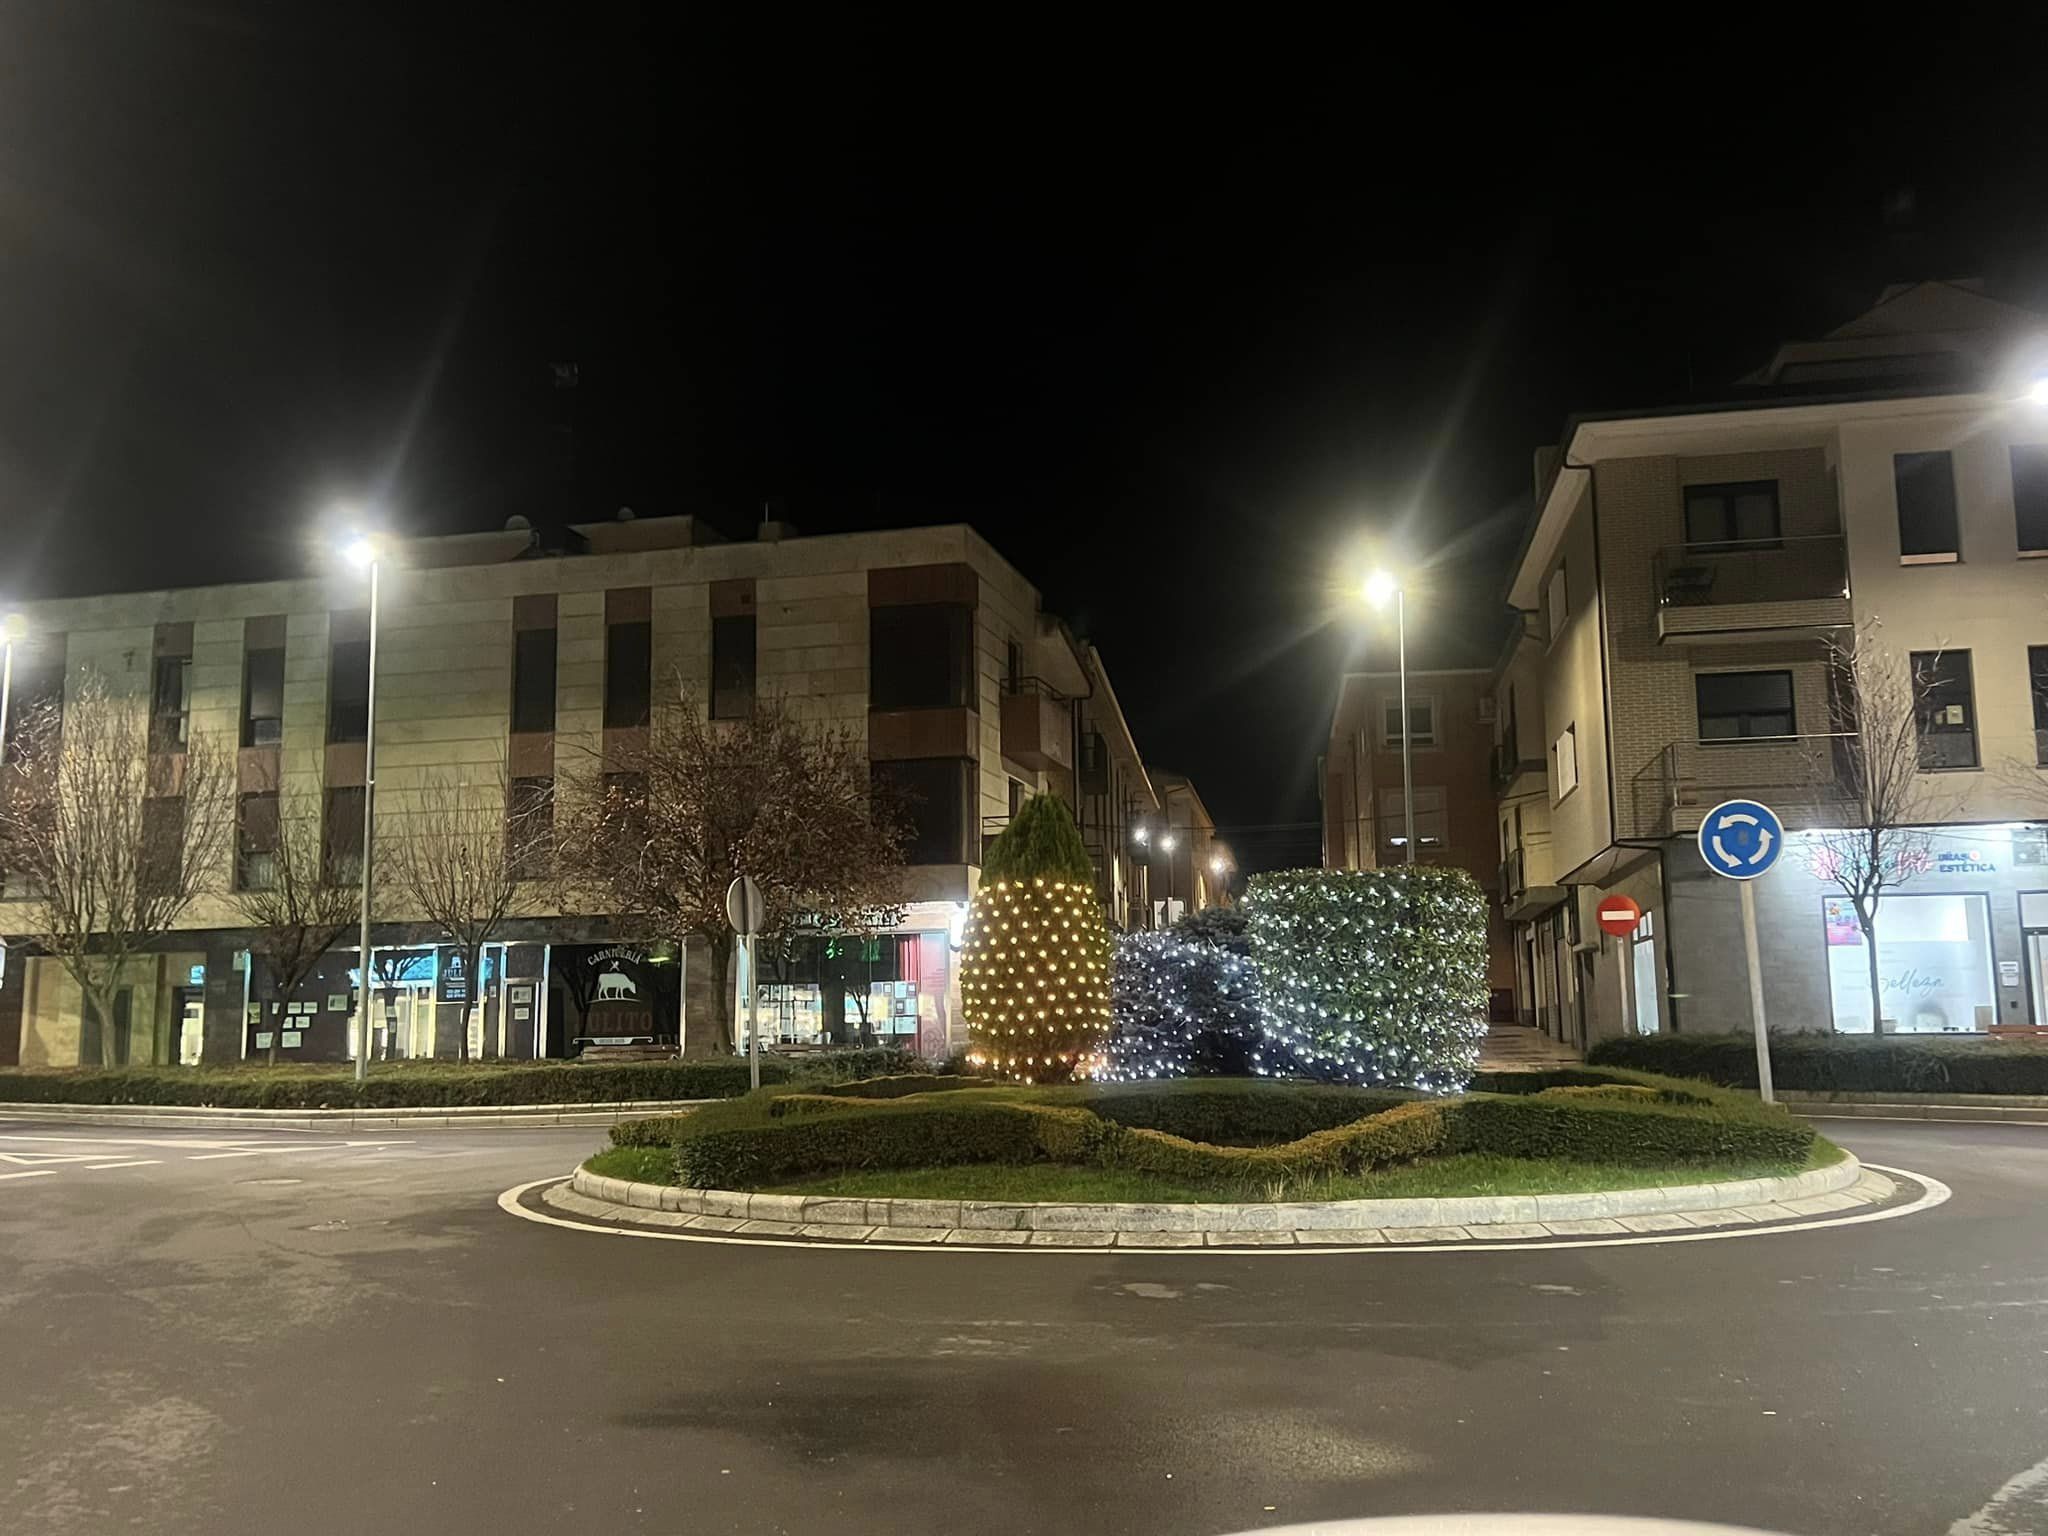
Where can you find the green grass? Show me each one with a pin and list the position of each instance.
(641, 1165)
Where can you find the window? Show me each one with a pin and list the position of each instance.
(170, 702)
(920, 656)
(1933, 964)
(341, 843)
(1017, 793)
(348, 691)
(263, 697)
(160, 860)
(533, 680)
(1741, 512)
(1564, 761)
(1736, 705)
(1944, 713)
(1421, 722)
(530, 827)
(732, 667)
(1431, 829)
(1643, 971)
(256, 833)
(2030, 496)
(2037, 676)
(1557, 604)
(1013, 666)
(1926, 487)
(628, 671)
(936, 793)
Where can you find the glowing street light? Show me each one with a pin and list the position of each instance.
(365, 552)
(2037, 392)
(1379, 586)
(12, 628)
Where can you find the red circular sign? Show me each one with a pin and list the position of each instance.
(1618, 915)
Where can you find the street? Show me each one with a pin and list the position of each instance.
(253, 1332)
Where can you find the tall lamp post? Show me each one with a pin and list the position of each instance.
(364, 553)
(1380, 586)
(12, 628)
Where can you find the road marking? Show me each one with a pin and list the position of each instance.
(207, 1157)
(31, 1173)
(137, 1162)
(1933, 1193)
(2014, 1510)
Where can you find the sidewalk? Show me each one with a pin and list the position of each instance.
(430, 1117)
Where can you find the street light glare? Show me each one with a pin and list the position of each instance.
(360, 550)
(2037, 392)
(1380, 587)
(13, 628)
(1219, 864)
(1166, 842)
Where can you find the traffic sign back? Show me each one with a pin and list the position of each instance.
(1741, 839)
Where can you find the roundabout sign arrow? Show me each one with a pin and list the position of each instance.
(1740, 840)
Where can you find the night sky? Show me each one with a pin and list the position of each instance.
(1180, 319)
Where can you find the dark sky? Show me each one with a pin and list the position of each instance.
(1180, 318)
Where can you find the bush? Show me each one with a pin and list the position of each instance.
(1373, 976)
(1240, 1112)
(1819, 1063)
(886, 1136)
(1182, 1007)
(1034, 980)
(901, 1086)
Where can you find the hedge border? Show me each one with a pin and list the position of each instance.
(1828, 1063)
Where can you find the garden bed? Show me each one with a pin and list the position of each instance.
(431, 1084)
(1210, 1139)
(1826, 1063)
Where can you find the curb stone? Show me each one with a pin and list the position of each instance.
(1815, 1191)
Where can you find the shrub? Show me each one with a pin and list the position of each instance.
(885, 1136)
(1034, 980)
(1823, 1063)
(1182, 1008)
(1040, 843)
(901, 1086)
(1240, 1112)
(1373, 976)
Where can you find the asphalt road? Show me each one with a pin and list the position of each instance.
(325, 1337)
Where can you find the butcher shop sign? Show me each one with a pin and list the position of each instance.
(615, 983)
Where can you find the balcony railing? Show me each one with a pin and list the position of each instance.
(1751, 584)
(1037, 727)
(1808, 780)
(1507, 763)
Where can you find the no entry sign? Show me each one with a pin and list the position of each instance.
(1618, 915)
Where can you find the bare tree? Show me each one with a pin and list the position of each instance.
(108, 842)
(464, 854)
(282, 892)
(660, 831)
(1883, 711)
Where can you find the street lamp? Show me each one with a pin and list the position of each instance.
(1380, 586)
(12, 628)
(365, 553)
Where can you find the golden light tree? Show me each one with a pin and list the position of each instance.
(1034, 969)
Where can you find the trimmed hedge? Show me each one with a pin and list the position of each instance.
(407, 1085)
(1240, 1113)
(1629, 1118)
(901, 1086)
(1819, 1063)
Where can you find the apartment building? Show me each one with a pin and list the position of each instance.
(1683, 576)
(1187, 863)
(1451, 715)
(503, 660)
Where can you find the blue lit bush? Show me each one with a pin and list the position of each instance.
(1182, 1008)
(1372, 976)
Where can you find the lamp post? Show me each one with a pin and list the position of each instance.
(364, 553)
(12, 628)
(1380, 586)
(1166, 842)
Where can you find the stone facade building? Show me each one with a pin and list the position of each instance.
(500, 661)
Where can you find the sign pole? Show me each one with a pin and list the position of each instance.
(1756, 994)
(753, 1016)
(1629, 1022)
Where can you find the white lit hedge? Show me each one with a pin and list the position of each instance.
(1373, 976)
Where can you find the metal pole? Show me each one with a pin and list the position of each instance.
(1756, 994)
(753, 1015)
(1625, 951)
(6, 698)
(369, 829)
(1407, 763)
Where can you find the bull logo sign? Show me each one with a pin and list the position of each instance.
(615, 984)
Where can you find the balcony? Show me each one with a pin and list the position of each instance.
(1751, 589)
(1519, 899)
(1508, 768)
(1038, 724)
(1807, 780)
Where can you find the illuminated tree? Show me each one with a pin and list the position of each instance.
(1373, 976)
(1034, 967)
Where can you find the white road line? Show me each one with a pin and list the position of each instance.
(2014, 1510)
(32, 1173)
(207, 1157)
(1934, 1193)
(136, 1162)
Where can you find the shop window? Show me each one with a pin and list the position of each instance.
(2037, 678)
(1933, 964)
(348, 691)
(256, 835)
(263, 697)
(1743, 512)
(533, 680)
(1643, 973)
(1944, 711)
(1735, 706)
(628, 673)
(732, 667)
(2030, 496)
(1926, 487)
(936, 793)
(920, 656)
(170, 702)
(341, 839)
